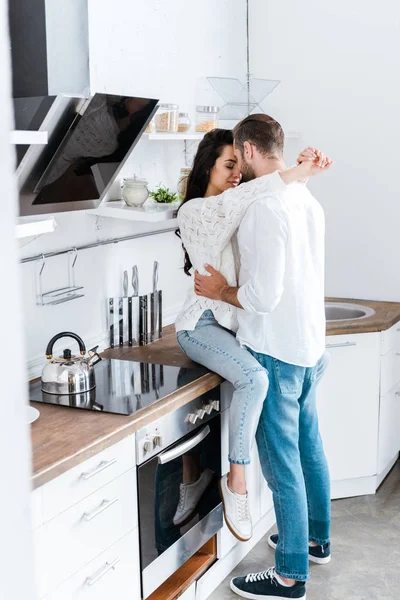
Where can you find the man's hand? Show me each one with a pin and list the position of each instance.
(209, 286)
(215, 287)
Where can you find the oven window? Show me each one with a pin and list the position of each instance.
(168, 509)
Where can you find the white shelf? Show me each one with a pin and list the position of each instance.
(27, 138)
(150, 213)
(28, 228)
(196, 136)
(173, 136)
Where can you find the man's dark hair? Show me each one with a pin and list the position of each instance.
(263, 132)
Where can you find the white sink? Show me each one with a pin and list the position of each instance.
(343, 311)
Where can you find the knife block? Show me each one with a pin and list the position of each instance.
(135, 320)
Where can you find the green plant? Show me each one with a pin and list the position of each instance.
(164, 195)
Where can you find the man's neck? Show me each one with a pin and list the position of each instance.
(267, 166)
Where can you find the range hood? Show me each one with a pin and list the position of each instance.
(89, 141)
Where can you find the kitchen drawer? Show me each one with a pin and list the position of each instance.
(391, 339)
(389, 428)
(37, 507)
(390, 371)
(84, 479)
(113, 574)
(72, 539)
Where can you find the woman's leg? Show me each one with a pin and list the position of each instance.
(216, 348)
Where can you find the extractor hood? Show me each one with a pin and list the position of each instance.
(89, 141)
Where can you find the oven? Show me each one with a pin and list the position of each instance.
(181, 447)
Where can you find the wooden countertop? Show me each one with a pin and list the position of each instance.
(63, 438)
(386, 315)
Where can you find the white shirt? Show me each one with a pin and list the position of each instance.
(281, 244)
(207, 226)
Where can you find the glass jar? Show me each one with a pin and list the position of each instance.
(151, 127)
(182, 182)
(206, 118)
(134, 191)
(184, 122)
(166, 118)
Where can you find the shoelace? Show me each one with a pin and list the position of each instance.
(262, 576)
(242, 508)
(182, 490)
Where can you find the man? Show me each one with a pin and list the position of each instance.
(282, 322)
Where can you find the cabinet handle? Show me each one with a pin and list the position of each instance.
(108, 566)
(103, 465)
(344, 345)
(103, 506)
(398, 393)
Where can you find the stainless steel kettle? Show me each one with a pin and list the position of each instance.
(69, 374)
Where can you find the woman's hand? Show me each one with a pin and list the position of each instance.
(309, 166)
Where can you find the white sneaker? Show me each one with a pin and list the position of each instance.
(189, 496)
(236, 511)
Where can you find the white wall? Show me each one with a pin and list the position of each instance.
(159, 49)
(339, 67)
(16, 572)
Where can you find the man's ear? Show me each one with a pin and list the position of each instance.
(248, 150)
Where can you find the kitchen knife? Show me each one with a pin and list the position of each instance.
(154, 304)
(143, 312)
(135, 293)
(160, 314)
(125, 335)
(111, 306)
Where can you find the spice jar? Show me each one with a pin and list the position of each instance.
(182, 183)
(134, 191)
(166, 118)
(206, 118)
(184, 122)
(151, 127)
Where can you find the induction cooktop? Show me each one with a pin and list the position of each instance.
(123, 387)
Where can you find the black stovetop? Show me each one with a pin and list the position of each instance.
(123, 387)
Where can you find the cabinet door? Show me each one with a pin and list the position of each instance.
(113, 574)
(348, 405)
(389, 428)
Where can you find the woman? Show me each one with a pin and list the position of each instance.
(206, 328)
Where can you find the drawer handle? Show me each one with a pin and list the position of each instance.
(345, 345)
(103, 506)
(103, 465)
(108, 566)
(398, 393)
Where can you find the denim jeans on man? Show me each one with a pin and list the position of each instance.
(217, 348)
(293, 462)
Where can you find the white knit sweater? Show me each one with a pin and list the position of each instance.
(207, 226)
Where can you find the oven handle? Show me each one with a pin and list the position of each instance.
(184, 447)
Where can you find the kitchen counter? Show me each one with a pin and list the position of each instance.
(63, 438)
(386, 315)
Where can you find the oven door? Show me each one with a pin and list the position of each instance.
(169, 536)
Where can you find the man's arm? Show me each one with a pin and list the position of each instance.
(266, 249)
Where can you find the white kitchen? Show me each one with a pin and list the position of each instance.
(89, 248)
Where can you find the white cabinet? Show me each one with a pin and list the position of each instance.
(110, 575)
(190, 593)
(348, 405)
(84, 479)
(76, 536)
(389, 429)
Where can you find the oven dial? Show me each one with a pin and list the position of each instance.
(215, 404)
(157, 441)
(192, 418)
(208, 408)
(148, 446)
(200, 413)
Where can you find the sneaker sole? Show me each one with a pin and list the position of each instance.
(311, 558)
(233, 532)
(250, 596)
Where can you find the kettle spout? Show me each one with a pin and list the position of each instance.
(94, 357)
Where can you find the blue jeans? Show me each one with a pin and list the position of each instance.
(293, 462)
(217, 349)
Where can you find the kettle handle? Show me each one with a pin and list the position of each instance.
(49, 349)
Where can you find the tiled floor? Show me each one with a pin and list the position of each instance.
(365, 550)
